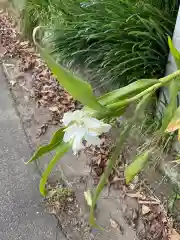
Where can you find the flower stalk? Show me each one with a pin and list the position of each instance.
(115, 155)
(162, 81)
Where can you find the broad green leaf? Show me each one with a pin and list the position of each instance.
(175, 53)
(122, 96)
(55, 141)
(175, 122)
(60, 151)
(79, 89)
(136, 166)
(172, 106)
(126, 92)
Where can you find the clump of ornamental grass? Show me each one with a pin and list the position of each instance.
(118, 41)
(37, 12)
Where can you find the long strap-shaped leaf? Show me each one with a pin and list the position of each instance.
(126, 92)
(55, 141)
(79, 89)
(136, 166)
(61, 150)
(112, 161)
(175, 53)
(172, 106)
(123, 94)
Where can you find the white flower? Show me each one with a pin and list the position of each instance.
(80, 126)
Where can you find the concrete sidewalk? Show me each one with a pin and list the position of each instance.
(21, 216)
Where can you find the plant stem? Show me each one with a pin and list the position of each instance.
(112, 161)
(106, 174)
(162, 81)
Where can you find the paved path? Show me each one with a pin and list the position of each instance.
(21, 216)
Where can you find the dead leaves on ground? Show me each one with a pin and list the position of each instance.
(156, 223)
(174, 235)
(98, 156)
(45, 88)
(116, 225)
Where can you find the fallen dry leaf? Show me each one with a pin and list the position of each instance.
(149, 202)
(138, 195)
(42, 130)
(145, 209)
(45, 89)
(12, 82)
(174, 235)
(117, 226)
(132, 186)
(54, 109)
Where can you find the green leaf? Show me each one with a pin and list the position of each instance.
(79, 89)
(136, 166)
(126, 92)
(175, 53)
(105, 115)
(172, 106)
(122, 97)
(55, 141)
(61, 150)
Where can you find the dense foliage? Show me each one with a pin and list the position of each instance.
(116, 41)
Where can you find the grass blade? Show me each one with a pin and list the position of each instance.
(61, 150)
(172, 106)
(175, 53)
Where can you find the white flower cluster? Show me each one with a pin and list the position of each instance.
(80, 126)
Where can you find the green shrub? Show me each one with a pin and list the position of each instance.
(34, 12)
(117, 41)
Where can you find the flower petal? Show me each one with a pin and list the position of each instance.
(67, 118)
(79, 115)
(75, 134)
(92, 140)
(104, 128)
(95, 125)
(77, 144)
(81, 126)
(90, 122)
(70, 133)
